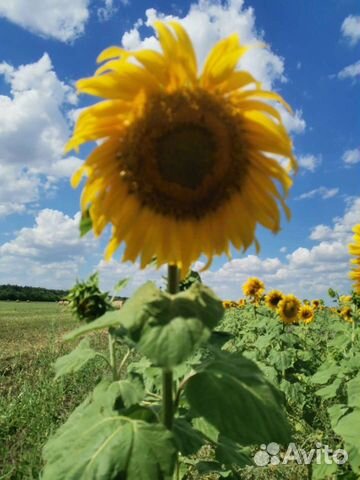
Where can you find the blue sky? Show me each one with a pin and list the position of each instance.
(312, 59)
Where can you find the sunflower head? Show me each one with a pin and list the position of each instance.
(354, 249)
(288, 309)
(306, 314)
(187, 160)
(242, 302)
(226, 304)
(316, 303)
(346, 314)
(253, 287)
(273, 298)
(345, 299)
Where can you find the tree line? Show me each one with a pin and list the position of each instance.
(32, 294)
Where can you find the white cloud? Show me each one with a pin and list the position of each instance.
(294, 123)
(306, 272)
(351, 157)
(309, 162)
(350, 29)
(33, 130)
(351, 71)
(322, 192)
(49, 253)
(62, 20)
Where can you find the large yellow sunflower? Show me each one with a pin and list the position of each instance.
(354, 249)
(186, 162)
(288, 309)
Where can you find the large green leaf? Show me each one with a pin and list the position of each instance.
(108, 320)
(348, 428)
(75, 360)
(230, 453)
(323, 471)
(168, 328)
(325, 373)
(233, 395)
(330, 391)
(96, 443)
(282, 360)
(187, 439)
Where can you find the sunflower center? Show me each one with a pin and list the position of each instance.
(290, 310)
(186, 155)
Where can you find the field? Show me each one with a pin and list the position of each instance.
(32, 404)
(315, 365)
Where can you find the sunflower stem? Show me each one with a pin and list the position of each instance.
(167, 374)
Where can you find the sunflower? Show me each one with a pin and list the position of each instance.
(253, 287)
(186, 163)
(315, 303)
(346, 314)
(288, 309)
(306, 314)
(354, 249)
(273, 298)
(242, 302)
(226, 304)
(345, 298)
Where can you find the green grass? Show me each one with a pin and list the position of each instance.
(32, 404)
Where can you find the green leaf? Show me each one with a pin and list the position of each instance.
(75, 360)
(97, 443)
(347, 428)
(230, 453)
(336, 412)
(206, 428)
(130, 392)
(282, 360)
(85, 223)
(168, 328)
(353, 391)
(323, 471)
(293, 392)
(330, 391)
(234, 396)
(187, 439)
(325, 373)
(108, 320)
(121, 284)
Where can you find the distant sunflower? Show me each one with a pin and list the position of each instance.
(242, 302)
(288, 309)
(306, 314)
(226, 304)
(273, 298)
(346, 314)
(354, 249)
(185, 164)
(316, 303)
(345, 298)
(253, 287)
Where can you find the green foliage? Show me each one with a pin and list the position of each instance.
(86, 300)
(31, 294)
(75, 360)
(189, 280)
(86, 224)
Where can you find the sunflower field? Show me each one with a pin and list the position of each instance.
(187, 164)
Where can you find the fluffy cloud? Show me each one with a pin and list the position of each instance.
(350, 29)
(63, 20)
(33, 131)
(322, 192)
(49, 253)
(351, 157)
(309, 162)
(351, 71)
(307, 272)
